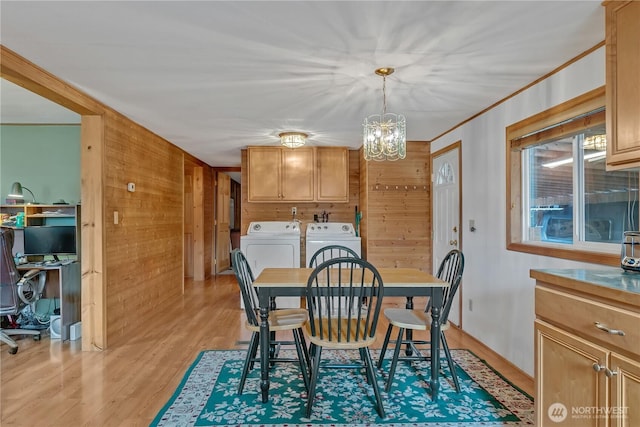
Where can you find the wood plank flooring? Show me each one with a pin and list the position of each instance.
(53, 383)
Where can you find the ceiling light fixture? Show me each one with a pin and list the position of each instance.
(384, 135)
(293, 139)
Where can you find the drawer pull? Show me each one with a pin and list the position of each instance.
(597, 367)
(606, 329)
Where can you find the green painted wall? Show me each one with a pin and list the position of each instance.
(45, 159)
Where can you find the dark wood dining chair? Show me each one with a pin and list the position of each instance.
(292, 319)
(450, 270)
(339, 318)
(330, 252)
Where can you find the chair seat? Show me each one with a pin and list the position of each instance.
(411, 319)
(281, 320)
(344, 341)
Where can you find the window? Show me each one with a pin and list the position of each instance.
(562, 201)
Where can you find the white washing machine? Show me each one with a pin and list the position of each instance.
(322, 234)
(272, 244)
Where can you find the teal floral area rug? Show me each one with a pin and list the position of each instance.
(207, 396)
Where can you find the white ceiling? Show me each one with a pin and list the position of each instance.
(213, 77)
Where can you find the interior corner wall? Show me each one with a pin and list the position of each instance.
(497, 280)
(43, 158)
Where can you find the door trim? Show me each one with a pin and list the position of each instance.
(456, 145)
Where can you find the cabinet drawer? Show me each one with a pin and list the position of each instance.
(581, 315)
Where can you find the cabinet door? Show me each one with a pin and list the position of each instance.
(264, 174)
(333, 174)
(623, 84)
(566, 378)
(298, 165)
(625, 392)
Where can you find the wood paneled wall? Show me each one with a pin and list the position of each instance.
(144, 250)
(338, 212)
(199, 218)
(396, 210)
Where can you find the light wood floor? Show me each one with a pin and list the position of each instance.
(53, 383)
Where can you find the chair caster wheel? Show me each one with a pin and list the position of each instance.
(36, 337)
(13, 350)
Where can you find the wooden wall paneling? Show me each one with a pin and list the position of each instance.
(144, 251)
(208, 193)
(396, 215)
(198, 224)
(198, 220)
(94, 326)
(187, 225)
(222, 223)
(363, 179)
(338, 212)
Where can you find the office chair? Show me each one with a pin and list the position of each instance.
(16, 292)
(450, 270)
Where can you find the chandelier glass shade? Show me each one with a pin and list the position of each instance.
(384, 135)
(293, 139)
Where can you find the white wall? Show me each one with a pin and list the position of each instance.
(495, 279)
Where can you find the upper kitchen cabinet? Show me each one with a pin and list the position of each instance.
(623, 84)
(281, 174)
(333, 174)
(306, 174)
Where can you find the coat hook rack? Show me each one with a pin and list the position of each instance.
(394, 187)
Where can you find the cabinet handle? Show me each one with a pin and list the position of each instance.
(609, 373)
(608, 330)
(597, 367)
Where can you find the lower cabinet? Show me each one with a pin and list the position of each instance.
(587, 360)
(581, 384)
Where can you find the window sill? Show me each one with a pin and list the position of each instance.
(573, 254)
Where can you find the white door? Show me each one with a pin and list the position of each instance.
(445, 165)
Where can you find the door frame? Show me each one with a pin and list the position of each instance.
(455, 146)
(215, 243)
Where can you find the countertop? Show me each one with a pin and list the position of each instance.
(606, 282)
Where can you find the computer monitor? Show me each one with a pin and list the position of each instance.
(50, 240)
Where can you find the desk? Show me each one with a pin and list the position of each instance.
(408, 282)
(63, 281)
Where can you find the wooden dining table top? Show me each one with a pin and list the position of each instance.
(396, 277)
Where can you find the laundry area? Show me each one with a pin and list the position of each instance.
(272, 244)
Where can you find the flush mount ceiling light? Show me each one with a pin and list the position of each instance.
(293, 139)
(384, 135)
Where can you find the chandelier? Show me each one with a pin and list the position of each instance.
(384, 135)
(293, 139)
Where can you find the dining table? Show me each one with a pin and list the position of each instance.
(400, 282)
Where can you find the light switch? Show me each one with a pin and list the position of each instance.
(115, 217)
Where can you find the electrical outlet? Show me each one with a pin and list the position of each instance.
(294, 210)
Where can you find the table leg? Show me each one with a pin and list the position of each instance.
(265, 338)
(409, 333)
(435, 342)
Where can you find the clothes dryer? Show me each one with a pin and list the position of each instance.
(320, 235)
(272, 244)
